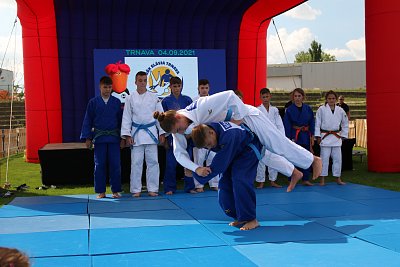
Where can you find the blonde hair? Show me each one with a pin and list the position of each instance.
(13, 257)
(199, 135)
(166, 119)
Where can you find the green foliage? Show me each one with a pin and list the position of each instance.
(303, 56)
(315, 51)
(314, 54)
(328, 57)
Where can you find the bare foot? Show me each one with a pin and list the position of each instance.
(250, 225)
(153, 194)
(236, 223)
(307, 183)
(273, 184)
(193, 191)
(340, 182)
(101, 195)
(317, 167)
(116, 195)
(200, 190)
(136, 195)
(322, 183)
(260, 185)
(169, 193)
(296, 176)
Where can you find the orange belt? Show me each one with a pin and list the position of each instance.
(335, 133)
(301, 129)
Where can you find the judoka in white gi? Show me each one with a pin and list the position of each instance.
(331, 125)
(203, 156)
(142, 133)
(272, 114)
(218, 107)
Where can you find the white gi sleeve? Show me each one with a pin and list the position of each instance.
(180, 153)
(317, 131)
(278, 121)
(345, 126)
(126, 125)
(160, 109)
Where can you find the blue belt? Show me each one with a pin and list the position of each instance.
(251, 145)
(146, 128)
(228, 115)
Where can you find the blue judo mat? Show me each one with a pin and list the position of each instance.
(351, 225)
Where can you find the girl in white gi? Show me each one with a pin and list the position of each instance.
(331, 126)
(221, 106)
(272, 114)
(202, 155)
(139, 129)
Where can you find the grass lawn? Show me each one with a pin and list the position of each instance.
(21, 172)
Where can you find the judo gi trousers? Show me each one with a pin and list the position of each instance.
(107, 157)
(236, 191)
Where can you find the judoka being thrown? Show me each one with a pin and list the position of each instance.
(281, 153)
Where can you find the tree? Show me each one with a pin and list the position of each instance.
(303, 56)
(328, 57)
(314, 54)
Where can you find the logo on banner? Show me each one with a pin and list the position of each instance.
(158, 76)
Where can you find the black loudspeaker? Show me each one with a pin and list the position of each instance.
(73, 164)
(66, 163)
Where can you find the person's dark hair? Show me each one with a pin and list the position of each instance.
(291, 96)
(13, 257)
(265, 91)
(166, 119)
(199, 134)
(175, 80)
(203, 82)
(238, 93)
(341, 96)
(105, 80)
(140, 73)
(331, 92)
(300, 91)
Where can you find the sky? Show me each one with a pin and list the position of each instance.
(337, 24)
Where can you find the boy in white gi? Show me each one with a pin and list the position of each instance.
(224, 106)
(139, 129)
(331, 125)
(272, 114)
(201, 155)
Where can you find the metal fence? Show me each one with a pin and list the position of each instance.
(16, 141)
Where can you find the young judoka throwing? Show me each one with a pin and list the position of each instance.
(225, 105)
(331, 125)
(236, 159)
